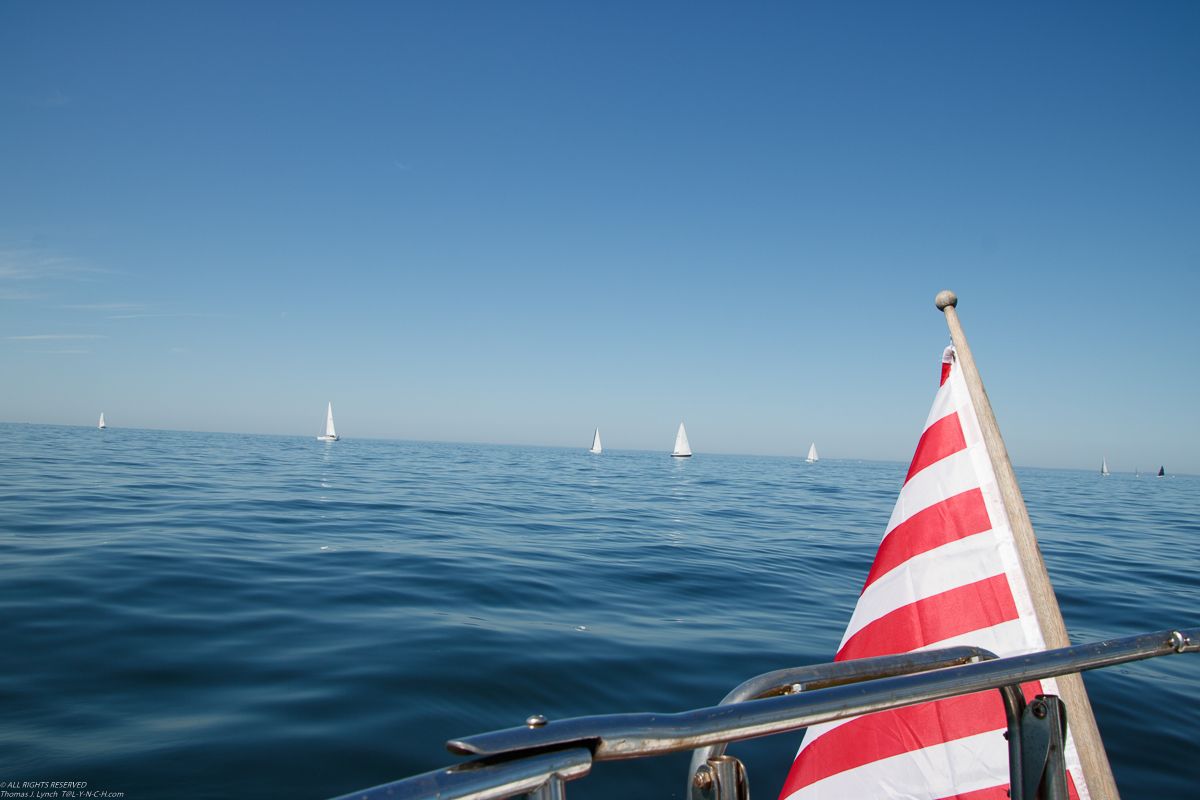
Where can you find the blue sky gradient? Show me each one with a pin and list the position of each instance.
(516, 222)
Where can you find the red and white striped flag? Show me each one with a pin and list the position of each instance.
(947, 573)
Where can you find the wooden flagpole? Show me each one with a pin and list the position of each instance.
(1096, 769)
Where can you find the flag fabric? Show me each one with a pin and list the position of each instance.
(947, 573)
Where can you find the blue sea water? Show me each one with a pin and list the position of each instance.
(195, 615)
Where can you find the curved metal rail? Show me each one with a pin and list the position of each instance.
(526, 755)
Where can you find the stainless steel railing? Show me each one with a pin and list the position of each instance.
(537, 759)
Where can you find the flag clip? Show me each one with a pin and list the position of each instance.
(1043, 733)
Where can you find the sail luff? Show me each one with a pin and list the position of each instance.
(596, 442)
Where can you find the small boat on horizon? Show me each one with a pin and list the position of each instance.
(812, 454)
(1162, 472)
(330, 433)
(596, 442)
(1104, 466)
(682, 448)
(102, 426)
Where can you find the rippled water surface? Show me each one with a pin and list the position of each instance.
(194, 615)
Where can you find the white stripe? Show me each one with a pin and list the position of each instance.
(945, 404)
(1005, 639)
(941, 770)
(966, 410)
(940, 481)
(953, 565)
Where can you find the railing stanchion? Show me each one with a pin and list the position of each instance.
(555, 789)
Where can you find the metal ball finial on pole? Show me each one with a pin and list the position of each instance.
(1096, 769)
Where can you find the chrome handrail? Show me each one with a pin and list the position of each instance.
(637, 735)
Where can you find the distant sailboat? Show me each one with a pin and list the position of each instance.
(596, 442)
(812, 454)
(330, 433)
(682, 448)
(1135, 473)
(1103, 466)
(1162, 473)
(101, 425)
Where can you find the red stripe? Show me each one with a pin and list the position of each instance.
(952, 519)
(992, 793)
(942, 438)
(891, 733)
(973, 607)
(945, 373)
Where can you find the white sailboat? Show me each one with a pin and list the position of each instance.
(812, 454)
(682, 448)
(1103, 466)
(101, 425)
(596, 442)
(330, 433)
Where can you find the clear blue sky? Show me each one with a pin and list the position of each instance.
(511, 222)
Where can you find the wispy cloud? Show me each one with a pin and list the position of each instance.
(32, 264)
(56, 99)
(59, 336)
(13, 294)
(103, 306)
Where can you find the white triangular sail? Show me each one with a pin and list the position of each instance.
(330, 433)
(682, 448)
(812, 454)
(101, 425)
(596, 442)
(1103, 466)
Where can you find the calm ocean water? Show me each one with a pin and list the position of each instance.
(191, 615)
